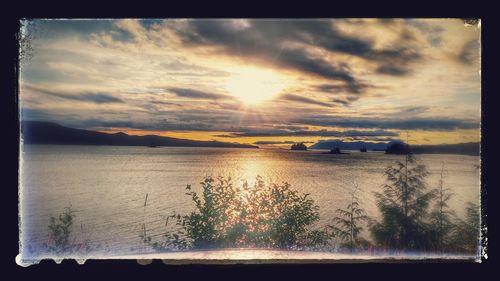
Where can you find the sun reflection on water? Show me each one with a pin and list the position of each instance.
(250, 169)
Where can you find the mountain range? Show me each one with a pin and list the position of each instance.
(39, 132)
(471, 148)
(354, 145)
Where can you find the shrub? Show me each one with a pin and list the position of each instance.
(403, 204)
(466, 234)
(442, 217)
(262, 215)
(61, 240)
(60, 231)
(348, 224)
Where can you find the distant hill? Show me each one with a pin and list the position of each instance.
(471, 148)
(355, 145)
(398, 148)
(461, 148)
(38, 132)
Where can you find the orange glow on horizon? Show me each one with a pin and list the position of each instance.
(415, 137)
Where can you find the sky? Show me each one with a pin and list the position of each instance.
(269, 82)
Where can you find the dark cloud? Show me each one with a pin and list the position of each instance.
(74, 120)
(471, 21)
(431, 31)
(435, 40)
(158, 102)
(224, 136)
(300, 59)
(95, 97)
(280, 142)
(289, 127)
(59, 28)
(149, 23)
(265, 41)
(98, 98)
(342, 102)
(306, 133)
(339, 88)
(301, 99)
(425, 26)
(397, 61)
(107, 124)
(156, 125)
(377, 139)
(35, 114)
(392, 70)
(414, 110)
(196, 94)
(354, 133)
(469, 53)
(344, 94)
(401, 124)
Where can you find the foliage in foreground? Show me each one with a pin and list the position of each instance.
(403, 204)
(349, 223)
(61, 240)
(413, 218)
(442, 218)
(466, 232)
(262, 215)
(409, 224)
(60, 230)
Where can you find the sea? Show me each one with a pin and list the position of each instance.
(120, 192)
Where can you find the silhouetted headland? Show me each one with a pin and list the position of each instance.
(38, 132)
(471, 148)
(398, 148)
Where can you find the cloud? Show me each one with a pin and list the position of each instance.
(155, 125)
(342, 102)
(432, 32)
(339, 88)
(301, 99)
(196, 94)
(306, 133)
(289, 44)
(414, 110)
(344, 94)
(35, 114)
(171, 75)
(469, 53)
(107, 124)
(280, 142)
(301, 60)
(94, 97)
(377, 139)
(98, 98)
(381, 123)
(392, 70)
(60, 28)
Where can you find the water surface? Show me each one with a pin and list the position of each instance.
(107, 185)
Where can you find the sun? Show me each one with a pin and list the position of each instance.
(253, 86)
